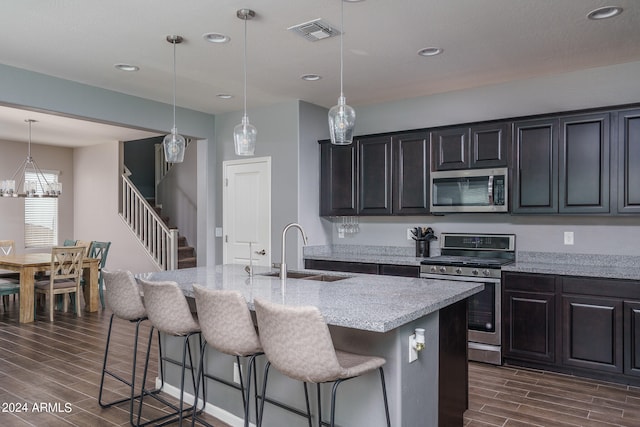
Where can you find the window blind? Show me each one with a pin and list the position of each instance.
(41, 215)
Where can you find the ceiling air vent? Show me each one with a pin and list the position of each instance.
(315, 30)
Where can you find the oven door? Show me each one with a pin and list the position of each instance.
(484, 311)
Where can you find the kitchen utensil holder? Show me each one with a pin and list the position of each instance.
(422, 248)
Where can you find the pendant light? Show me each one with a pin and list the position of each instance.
(244, 134)
(29, 178)
(342, 118)
(174, 143)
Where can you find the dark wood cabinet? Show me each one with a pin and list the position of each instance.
(628, 138)
(477, 146)
(592, 333)
(345, 266)
(597, 325)
(374, 175)
(450, 148)
(535, 175)
(410, 185)
(632, 338)
(584, 164)
(529, 317)
(490, 145)
(338, 180)
(399, 270)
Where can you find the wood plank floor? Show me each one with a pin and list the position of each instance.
(59, 363)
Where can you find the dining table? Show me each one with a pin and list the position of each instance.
(28, 264)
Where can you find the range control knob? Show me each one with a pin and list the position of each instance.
(459, 270)
(443, 269)
(486, 272)
(433, 269)
(474, 272)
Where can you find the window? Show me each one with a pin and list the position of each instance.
(40, 215)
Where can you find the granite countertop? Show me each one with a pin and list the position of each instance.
(360, 301)
(394, 255)
(583, 265)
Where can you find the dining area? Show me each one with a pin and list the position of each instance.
(72, 270)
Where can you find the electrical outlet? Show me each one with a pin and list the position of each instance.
(409, 234)
(413, 353)
(568, 237)
(236, 373)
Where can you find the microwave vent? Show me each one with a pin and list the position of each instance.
(315, 30)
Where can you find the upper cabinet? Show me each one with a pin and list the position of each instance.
(410, 153)
(628, 164)
(583, 161)
(562, 165)
(375, 175)
(478, 146)
(338, 179)
(535, 173)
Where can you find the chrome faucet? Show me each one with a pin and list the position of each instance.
(283, 265)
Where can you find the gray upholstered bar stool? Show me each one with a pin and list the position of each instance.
(227, 326)
(296, 340)
(125, 302)
(169, 313)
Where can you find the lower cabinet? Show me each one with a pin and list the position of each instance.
(632, 338)
(578, 325)
(529, 317)
(363, 267)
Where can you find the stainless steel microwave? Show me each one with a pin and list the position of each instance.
(470, 190)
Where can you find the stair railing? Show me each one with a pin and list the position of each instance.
(160, 241)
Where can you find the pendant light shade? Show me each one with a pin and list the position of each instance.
(244, 134)
(174, 143)
(342, 118)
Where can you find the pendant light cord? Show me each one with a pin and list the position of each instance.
(174, 86)
(245, 65)
(341, 48)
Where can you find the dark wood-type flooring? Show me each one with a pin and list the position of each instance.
(59, 363)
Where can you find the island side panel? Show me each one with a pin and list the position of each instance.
(454, 373)
(412, 388)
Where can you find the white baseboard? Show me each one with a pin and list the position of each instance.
(210, 409)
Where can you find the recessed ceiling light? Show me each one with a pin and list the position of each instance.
(605, 12)
(126, 67)
(216, 38)
(224, 96)
(310, 77)
(430, 51)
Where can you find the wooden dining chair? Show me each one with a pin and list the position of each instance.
(9, 280)
(100, 250)
(66, 270)
(86, 244)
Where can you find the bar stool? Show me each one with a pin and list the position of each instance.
(169, 313)
(125, 302)
(227, 326)
(296, 340)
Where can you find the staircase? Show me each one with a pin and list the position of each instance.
(186, 254)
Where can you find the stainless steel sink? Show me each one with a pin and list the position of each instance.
(308, 276)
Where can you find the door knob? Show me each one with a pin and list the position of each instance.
(262, 252)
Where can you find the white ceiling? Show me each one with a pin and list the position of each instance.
(484, 41)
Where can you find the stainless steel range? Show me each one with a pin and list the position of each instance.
(476, 258)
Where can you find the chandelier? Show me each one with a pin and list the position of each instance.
(29, 178)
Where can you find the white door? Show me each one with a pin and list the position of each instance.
(246, 205)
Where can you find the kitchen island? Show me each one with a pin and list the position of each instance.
(366, 314)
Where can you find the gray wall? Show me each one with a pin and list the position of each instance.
(594, 87)
(279, 138)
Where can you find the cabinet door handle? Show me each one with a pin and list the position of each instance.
(262, 252)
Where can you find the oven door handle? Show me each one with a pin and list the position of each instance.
(459, 278)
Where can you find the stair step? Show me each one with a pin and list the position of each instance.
(187, 262)
(185, 252)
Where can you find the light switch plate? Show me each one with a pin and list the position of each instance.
(409, 235)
